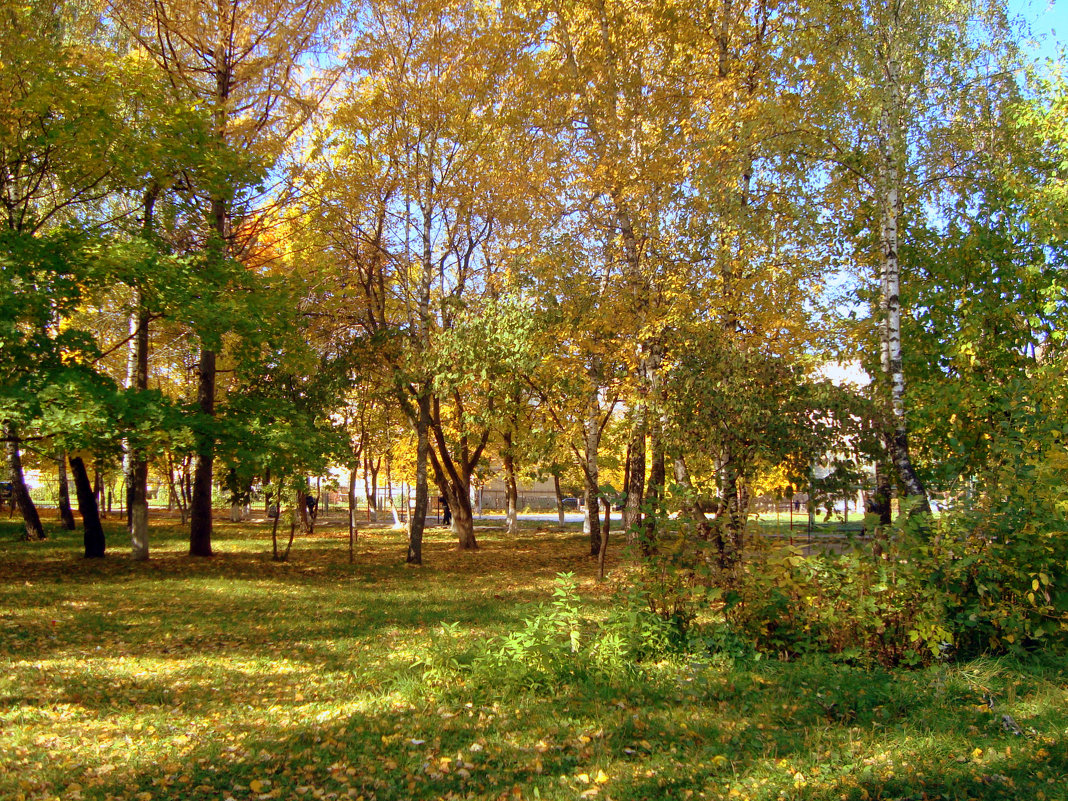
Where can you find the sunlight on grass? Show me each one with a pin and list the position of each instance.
(241, 678)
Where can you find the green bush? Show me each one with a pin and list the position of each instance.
(853, 606)
(1002, 562)
(559, 643)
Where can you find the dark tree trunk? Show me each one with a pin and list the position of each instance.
(90, 512)
(559, 499)
(373, 466)
(200, 506)
(30, 517)
(634, 483)
(417, 521)
(591, 524)
(136, 461)
(352, 514)
(65, 512)
(879, 503)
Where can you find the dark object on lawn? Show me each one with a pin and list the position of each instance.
(313, 506)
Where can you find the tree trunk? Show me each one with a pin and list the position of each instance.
(591, 525)
(135, 463)
(731, 519)
(65, 512)
(200, 505)
(603, 550)
(98, 490)
(417, 521)
(634, 478)
(511, 488)
(893, 154)
(94, 531)
(463, 520)
(352, 514)
(559, 499)
(31, 519)
(370, 483)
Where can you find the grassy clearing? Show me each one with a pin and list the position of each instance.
(237, 677)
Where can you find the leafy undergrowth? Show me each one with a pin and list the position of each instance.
(238, 677)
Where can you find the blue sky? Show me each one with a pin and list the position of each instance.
(1048, 20)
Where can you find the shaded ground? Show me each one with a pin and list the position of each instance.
(239, 677)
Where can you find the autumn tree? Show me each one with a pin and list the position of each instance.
(414, 188)
(240, 60)
(913, 105)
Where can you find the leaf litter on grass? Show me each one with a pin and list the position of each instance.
(241, 678)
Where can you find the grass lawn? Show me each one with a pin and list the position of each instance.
(238, 677)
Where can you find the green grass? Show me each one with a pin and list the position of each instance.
(238, 677)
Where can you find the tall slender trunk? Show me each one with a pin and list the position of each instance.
(592, 492)
(98, 489)
(352, 513)
(417, 520)
(65, 512)
(200, 505)
(511, 488)
(559, 499)
(87, 507)
(603, 550)
(30, 518)
(892, 145)
(135, 461)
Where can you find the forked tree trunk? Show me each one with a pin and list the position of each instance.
(370, 484)
(65, 512)
(31, 519)
(94, 531)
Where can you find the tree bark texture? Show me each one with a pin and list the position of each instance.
(417, 521)
(30, 518)
(511, 488)
(591, 525)
(87, 507)
(892, 145)
(200, 507)
(634, 478)
(65, 512)
(559, 499)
